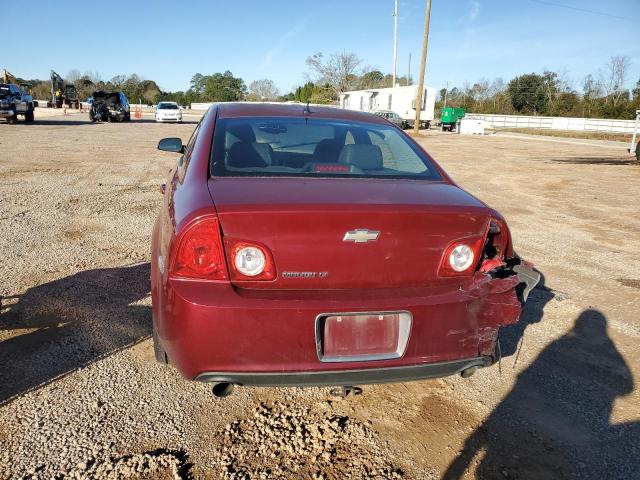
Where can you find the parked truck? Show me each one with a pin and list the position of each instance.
(401, 100)
(450, 118)
(15, 99)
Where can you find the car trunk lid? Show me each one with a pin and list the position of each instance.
(317, 228)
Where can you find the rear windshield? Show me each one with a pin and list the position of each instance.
(167, 106)
(282, 146)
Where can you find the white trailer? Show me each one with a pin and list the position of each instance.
(401, 100)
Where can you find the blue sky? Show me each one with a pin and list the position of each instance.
(169, 41)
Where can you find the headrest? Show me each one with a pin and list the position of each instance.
(365, 157)
(245, 155)
(242, 131)
(326, 151)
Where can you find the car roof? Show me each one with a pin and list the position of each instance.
(247, 109)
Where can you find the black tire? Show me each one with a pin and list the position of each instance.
(638, 151)
(28, 117)
(127, 117)
(92, 117)
(161, 355)
(12, 118)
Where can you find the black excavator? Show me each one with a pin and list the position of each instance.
(63, 94)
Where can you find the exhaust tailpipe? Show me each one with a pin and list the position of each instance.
(222, 390)
(467, 372)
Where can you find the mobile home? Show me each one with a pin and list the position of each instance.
(400, 100)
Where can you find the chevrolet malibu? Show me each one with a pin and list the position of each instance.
(307, 246)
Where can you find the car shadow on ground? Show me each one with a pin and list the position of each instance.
(60, 326)
(555, 422)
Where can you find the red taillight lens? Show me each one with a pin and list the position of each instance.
(469, 248)
(199, 254)
(240, 269)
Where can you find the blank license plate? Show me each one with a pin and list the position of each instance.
(366, 336)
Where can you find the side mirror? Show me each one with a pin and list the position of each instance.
(171, 145)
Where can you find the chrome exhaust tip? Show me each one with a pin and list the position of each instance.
(222, 390)
(467, 372)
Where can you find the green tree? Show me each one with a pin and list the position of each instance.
(223, 87)
(371, 79)
(567, 104)
(303, 94)
(528, 93)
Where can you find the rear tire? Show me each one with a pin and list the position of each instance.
(28, 117)
(161, 355)
(638, 151)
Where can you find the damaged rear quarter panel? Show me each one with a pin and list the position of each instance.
(496, 305)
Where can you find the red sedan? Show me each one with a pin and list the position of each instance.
(316, 246)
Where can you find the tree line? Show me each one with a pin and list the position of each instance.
(600, 95)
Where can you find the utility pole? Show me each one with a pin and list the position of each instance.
(409, 71)
(423, 62)
(446, 92)
(395, 40)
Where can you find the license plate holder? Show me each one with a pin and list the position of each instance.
(362, 336)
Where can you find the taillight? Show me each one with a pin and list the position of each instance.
(199, 253)
(461, 257)
(249, 261)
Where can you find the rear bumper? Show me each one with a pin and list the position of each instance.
(218, 333)
(347, 377)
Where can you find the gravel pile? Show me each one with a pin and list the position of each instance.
(157, 465)
(288, 441)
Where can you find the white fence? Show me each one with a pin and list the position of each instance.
(200, 106)
(556, 123)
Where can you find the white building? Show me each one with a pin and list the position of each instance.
(400, 100)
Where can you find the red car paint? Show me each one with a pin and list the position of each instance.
(239, 326)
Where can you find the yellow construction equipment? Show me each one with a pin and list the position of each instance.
(8, 78)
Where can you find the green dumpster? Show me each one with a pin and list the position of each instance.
(449, 117)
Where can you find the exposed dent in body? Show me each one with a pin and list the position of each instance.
(499, 296)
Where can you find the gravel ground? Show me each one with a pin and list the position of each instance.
(81, 396)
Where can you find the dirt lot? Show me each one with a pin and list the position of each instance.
(81, 397)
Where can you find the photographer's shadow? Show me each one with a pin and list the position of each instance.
(555, 422)
(66, 324)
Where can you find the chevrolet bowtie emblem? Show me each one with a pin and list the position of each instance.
(361, 235)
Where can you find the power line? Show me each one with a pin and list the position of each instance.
(585, 10)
